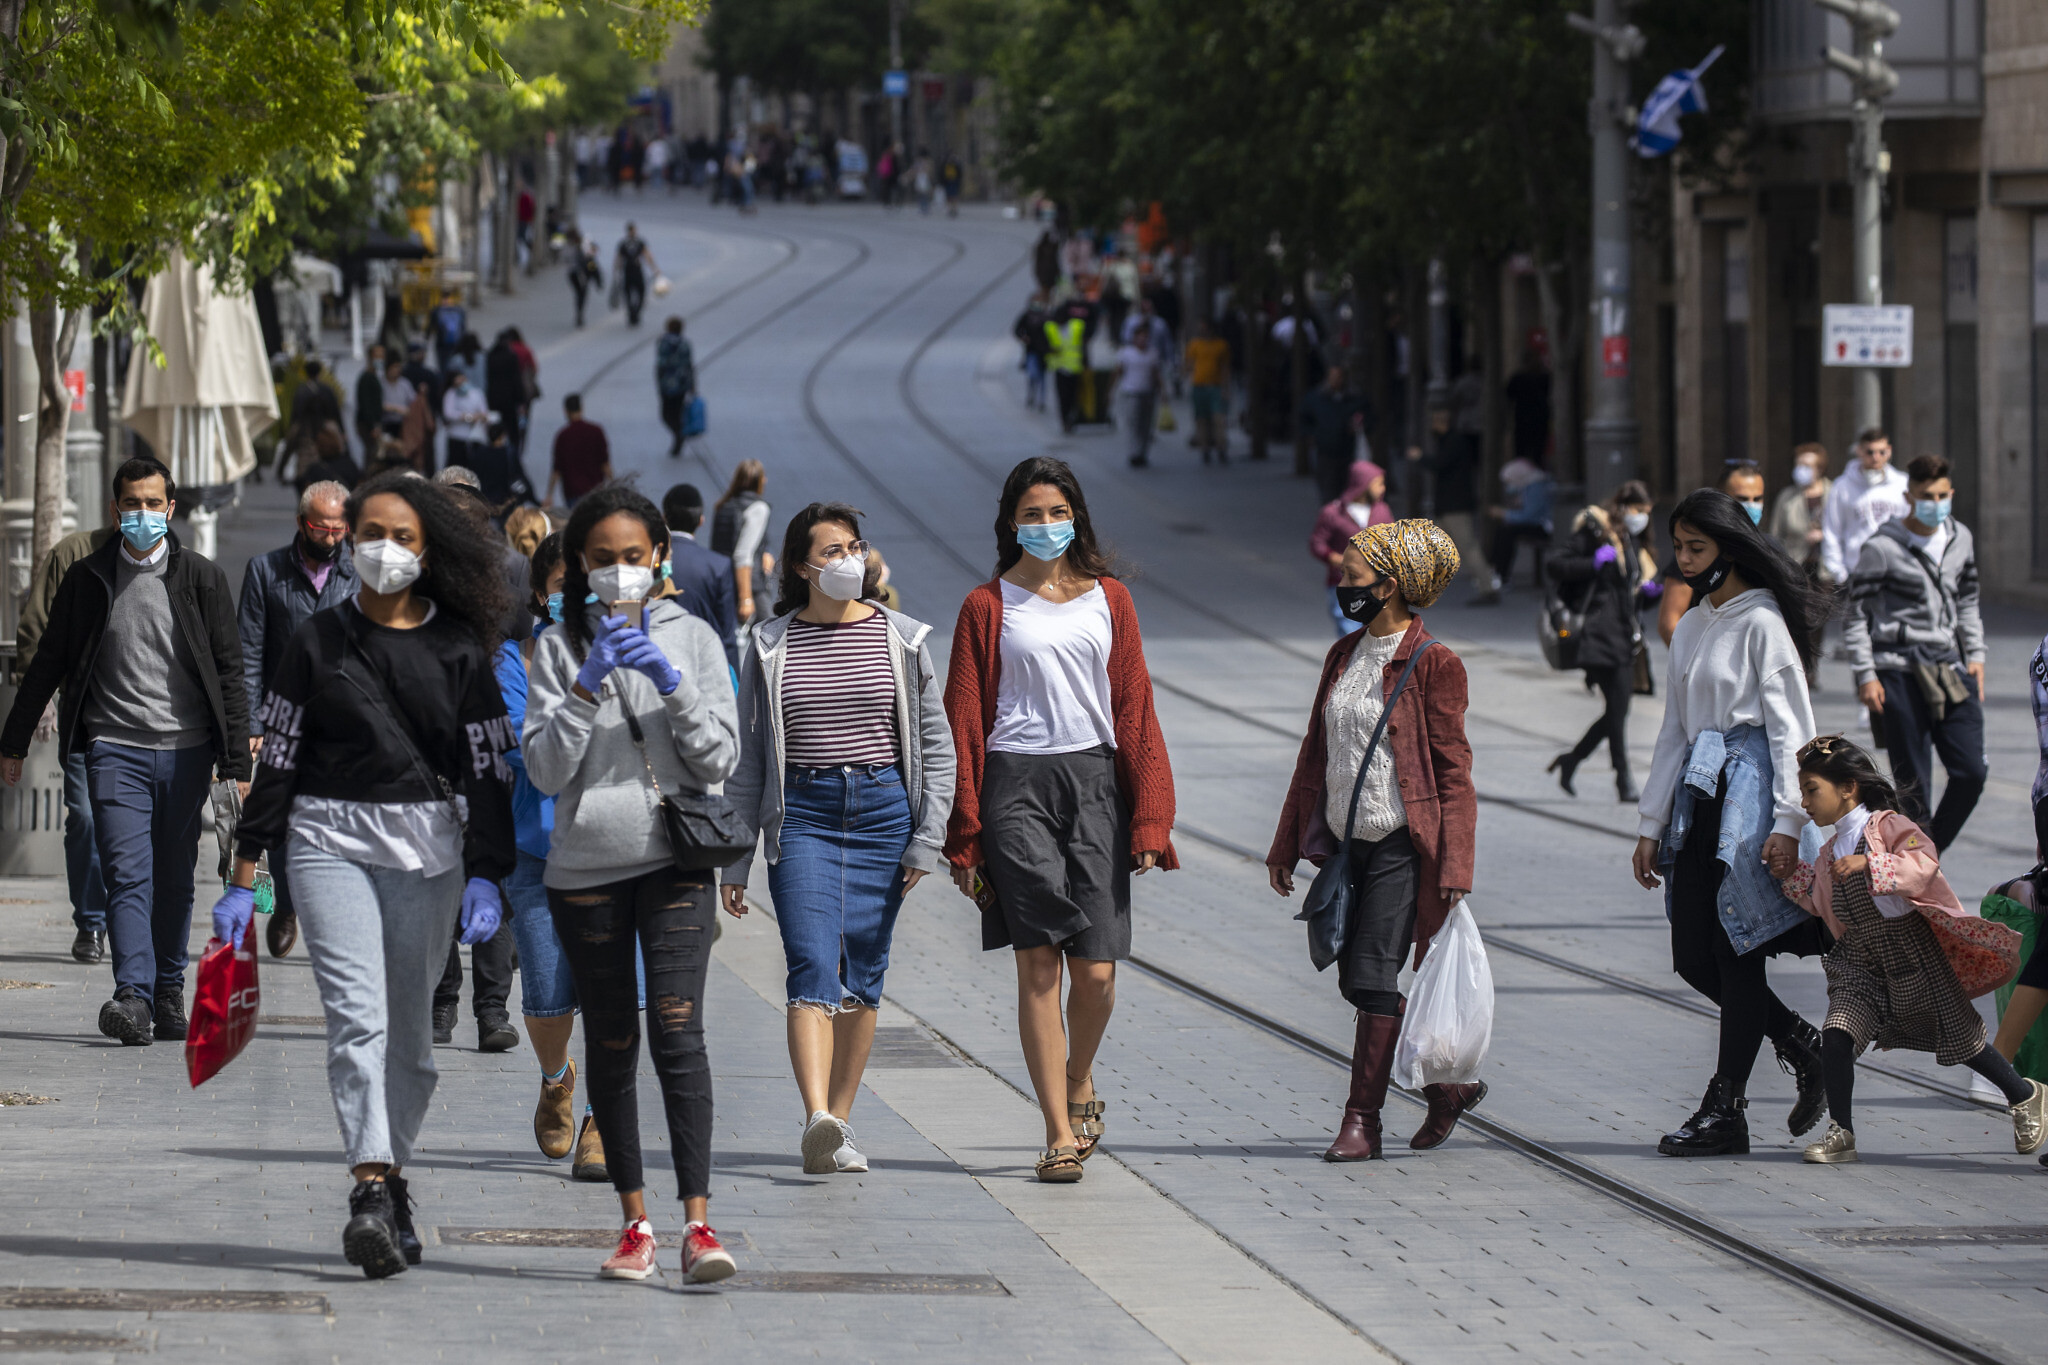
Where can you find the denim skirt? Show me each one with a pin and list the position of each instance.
(837, 883)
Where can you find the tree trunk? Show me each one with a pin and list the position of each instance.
(1297, 374)
(1255, 372)
(52, 333)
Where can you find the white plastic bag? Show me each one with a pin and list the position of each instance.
(1450, 1012)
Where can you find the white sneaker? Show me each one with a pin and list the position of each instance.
(849, 1160)
(823, 1135)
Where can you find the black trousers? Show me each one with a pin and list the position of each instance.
(1386, 877)
(1617, 685)
(1913, 738)
(1067, 385)
(1702, 954)
(633, 290)
(670, 913)
(672, 413)
(490, 970)
(1507, 541)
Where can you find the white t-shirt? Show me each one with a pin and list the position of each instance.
(1141, 370)
(1054, 694)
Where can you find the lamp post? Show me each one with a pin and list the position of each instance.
(1611, 431)
(1872, 80)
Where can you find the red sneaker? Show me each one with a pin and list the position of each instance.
(634, 1260)
(704, 1258)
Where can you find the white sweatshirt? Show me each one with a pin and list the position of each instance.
(1858, 503)
(1731, 665)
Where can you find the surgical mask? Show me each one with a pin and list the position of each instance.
(1637, 522)
(1804, 475)
(1755, 510)
(1046, 540)
(622, 582)
(841, 580)
(1929, 512)
(144, 529)
(555, 607)
(1709, 579)
(1359, 604)
(385, 566)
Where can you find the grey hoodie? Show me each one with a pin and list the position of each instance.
(1898, 618)
(923, 737)
(582, 754)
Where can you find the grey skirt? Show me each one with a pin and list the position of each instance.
(1056, 838)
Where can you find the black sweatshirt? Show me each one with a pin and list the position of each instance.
(327, 732)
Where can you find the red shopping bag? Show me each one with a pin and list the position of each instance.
(224, 1001)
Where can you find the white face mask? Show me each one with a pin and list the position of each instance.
(1637, 522)
(622, 582)
(841, 580)
(1803, 475)
(385, 566)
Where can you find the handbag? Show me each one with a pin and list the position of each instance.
(1645, 679)
(705, 832)
(1558, 628)
(1331, 896)
(225, 997)
(693, 416)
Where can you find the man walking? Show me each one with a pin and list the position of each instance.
(675, 376)
(1065, 334)
(1454, 463)
(702, 577)
(468, 415)
(370, 402)
(632, 264)
(1333, 418)
(1208, 362)
(280, 589)
(1029, 329)
(1916, 642)
(582, 457)
(1137, 384)
(142, 640)
(1869, 494)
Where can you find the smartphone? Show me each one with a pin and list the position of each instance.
(984, 894)
(634, 612)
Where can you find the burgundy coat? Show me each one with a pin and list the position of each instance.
(1432, 764)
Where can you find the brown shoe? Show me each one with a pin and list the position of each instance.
(1372, 1062)
(554, 1118)
(282, 932)
(589, 1153)
(1447, 1104)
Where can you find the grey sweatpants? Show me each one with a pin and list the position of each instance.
(378, 938)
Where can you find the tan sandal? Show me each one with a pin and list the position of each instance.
(1059, 1166)
(1088, 1127)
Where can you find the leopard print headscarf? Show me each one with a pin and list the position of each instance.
(1416, 554)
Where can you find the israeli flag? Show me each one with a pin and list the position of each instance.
(1678, 93)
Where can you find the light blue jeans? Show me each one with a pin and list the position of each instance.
(378, 939)
(547, 990)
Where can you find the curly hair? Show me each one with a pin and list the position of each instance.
(608, 501)
(1084, 556)
(796, 551)
(462, 563)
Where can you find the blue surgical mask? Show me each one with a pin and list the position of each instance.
(555, 607)
(1931, 512)
(1755, 510)
(1046, 540)
(144, 529)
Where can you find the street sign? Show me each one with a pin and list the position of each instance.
(1867, 336)
(895, 84)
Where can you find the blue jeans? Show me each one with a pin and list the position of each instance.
(839, 881)
(1345, 625)
(81, 854)
(145, 816)
(1034, 380)
(546, 988)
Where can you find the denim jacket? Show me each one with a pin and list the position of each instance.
(1753, 908)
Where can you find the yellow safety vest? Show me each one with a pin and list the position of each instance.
(1065, 338)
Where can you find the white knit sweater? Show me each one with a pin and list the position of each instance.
(1349, 715)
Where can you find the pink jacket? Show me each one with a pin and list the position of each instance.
(1334, 527)
(1903, 863)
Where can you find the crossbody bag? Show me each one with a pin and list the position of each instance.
(705, 832)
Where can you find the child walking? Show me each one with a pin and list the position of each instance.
(1908, 958)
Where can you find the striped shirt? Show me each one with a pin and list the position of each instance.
(838, 694)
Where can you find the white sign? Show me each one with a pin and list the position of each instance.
(1866, 336)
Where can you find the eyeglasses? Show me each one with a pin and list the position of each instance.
(314, 528)
(834, 553)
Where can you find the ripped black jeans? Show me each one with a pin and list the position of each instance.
(672, 914)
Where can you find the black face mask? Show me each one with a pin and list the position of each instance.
(320, 552)
(1359, 604)
(1710, 578)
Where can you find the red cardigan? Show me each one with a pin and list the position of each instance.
(973, 680)
(1432, 764)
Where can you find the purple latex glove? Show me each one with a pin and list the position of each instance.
(231, 914)
(1604, 556)
(482, 910)
(1653, 590)
(638, 652)
(604, 654)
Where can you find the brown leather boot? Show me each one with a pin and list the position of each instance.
(1447, 1104)
(1372, 1062)
(589, 1163)
(554, 1118)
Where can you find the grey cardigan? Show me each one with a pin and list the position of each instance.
(923, 737)
(1898, 618)
(582, 754)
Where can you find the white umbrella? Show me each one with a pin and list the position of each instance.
(205, 406)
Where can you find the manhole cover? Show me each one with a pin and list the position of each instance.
(286, 1020)
(2006, 1234)
(603, 1239)
(51, 1342)
(861, 1282)
(908, 1048)
(165, 1300)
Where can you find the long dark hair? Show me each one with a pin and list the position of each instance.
(796, 551)
(462, 570)
(1760, 560)
(607, 501)
(540, 567)
(1838, 761)
(1084, 554)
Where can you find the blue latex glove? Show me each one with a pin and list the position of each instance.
(638, 652)
(482, 910)
(604, 654)
(1604, 556)
(232, 913)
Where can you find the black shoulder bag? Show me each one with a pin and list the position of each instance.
(1331, 896)
(705, 832)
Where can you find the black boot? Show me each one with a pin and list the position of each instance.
(1717, 1129)
(444, 1023)
(401, 1214)
(1564, 765)
(1625, 785)
(1799, 1055)
(371, 1238)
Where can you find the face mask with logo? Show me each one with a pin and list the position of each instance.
(1931, 512)
(622, 582)
(385, 566)
(1637, 522)
(1046, 540)
(841, 580)
(143, 529)
(1804, 475)
(1755, 510)
(1709, 579)
(1359, 604)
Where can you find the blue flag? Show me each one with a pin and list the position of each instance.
(1678, 93)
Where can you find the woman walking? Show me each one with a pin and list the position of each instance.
(1064, 785)
(847, 769)
(1410, 813)
(1608, 567)
(739, 528)
(384, 780)
(619, 716)
(1720, 814)
(1363, 504)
